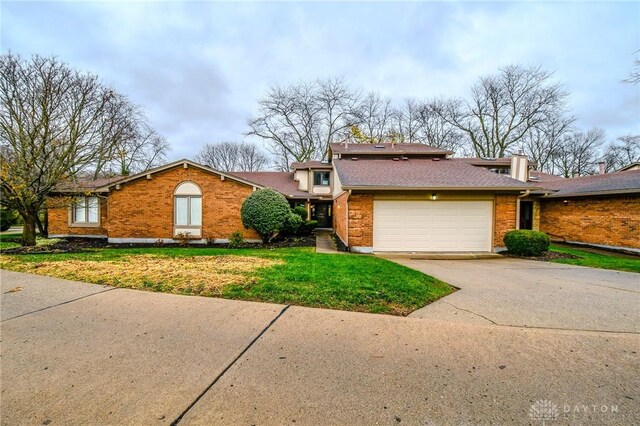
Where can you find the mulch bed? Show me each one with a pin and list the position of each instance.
(545, 257)
(79, 245)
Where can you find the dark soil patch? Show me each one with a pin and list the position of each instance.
(338, 242)
(79, 245)
(545, 257)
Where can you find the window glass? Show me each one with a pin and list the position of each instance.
(79, 212)
(321, 178)
(196, 211)
(181, 207)
(92, 209)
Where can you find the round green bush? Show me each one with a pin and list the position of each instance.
(292, 225)
(301, 211)
(265, 211)
(526, 242)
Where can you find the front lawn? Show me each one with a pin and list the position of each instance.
(8, 241)
(296, 276)
(596, 260)
(11, 241)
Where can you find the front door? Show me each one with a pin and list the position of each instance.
(323, 215)
(526, 214)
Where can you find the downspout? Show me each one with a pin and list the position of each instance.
(346, 212)
(526, 194)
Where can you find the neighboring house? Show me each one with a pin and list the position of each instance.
(632, 166)
(377, 198)
(602, 209)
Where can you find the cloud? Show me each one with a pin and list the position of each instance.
(198, 67)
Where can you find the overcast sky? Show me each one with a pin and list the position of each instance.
(198, 68)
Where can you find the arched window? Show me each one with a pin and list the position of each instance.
(187, 206)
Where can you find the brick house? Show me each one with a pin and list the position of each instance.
(377, 198)
(600, 210)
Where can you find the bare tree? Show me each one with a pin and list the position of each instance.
(435, 131)
(134, 146)
(576, 154)
(634, 75)
(540, 143)
(336, 102)
(374, 116)
(52, 123)
(503, 108)
(409, 122)
(233, 156)
(300, 120)
(622, 152)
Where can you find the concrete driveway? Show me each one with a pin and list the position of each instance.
(76, 353)
(525, 293)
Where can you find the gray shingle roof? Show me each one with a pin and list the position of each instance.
(609, 183)
(387, 149)
(311, 165)
(280, 181)
(421, 173)
(538, 176)
(85, 185)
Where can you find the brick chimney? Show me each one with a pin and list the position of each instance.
(601, 165)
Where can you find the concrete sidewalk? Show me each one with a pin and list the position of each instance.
(111, 356)
(325, 244)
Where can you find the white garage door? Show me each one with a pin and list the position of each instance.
(432, 225)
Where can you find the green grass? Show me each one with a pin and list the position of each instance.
(595, 260)
(8, 241)
(296, 276)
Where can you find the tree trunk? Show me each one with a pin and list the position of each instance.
(46, 224)
(29, 232)
(41, 228)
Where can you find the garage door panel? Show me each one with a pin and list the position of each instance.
(401, 225)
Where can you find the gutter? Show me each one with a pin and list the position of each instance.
(441, 188)
(559, 194)
(346, 212)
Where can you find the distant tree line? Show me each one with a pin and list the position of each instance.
(518, 109)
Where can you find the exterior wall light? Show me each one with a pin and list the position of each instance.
(433, 196)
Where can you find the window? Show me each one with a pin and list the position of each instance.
(86, 210)
(321, 178)
(501, 171)
(188, 205)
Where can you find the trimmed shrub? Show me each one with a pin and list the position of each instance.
(236, 240)
(8, 218)
(265, 211)
(526, 242)
(302, 212)
(292, 225)
(310, 225)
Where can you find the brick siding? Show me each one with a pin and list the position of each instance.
(504, 218)
(60, 214)
(340, 211)
(144, 208)
(613, 220)
(361, 220)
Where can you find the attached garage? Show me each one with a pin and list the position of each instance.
(432, 225)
